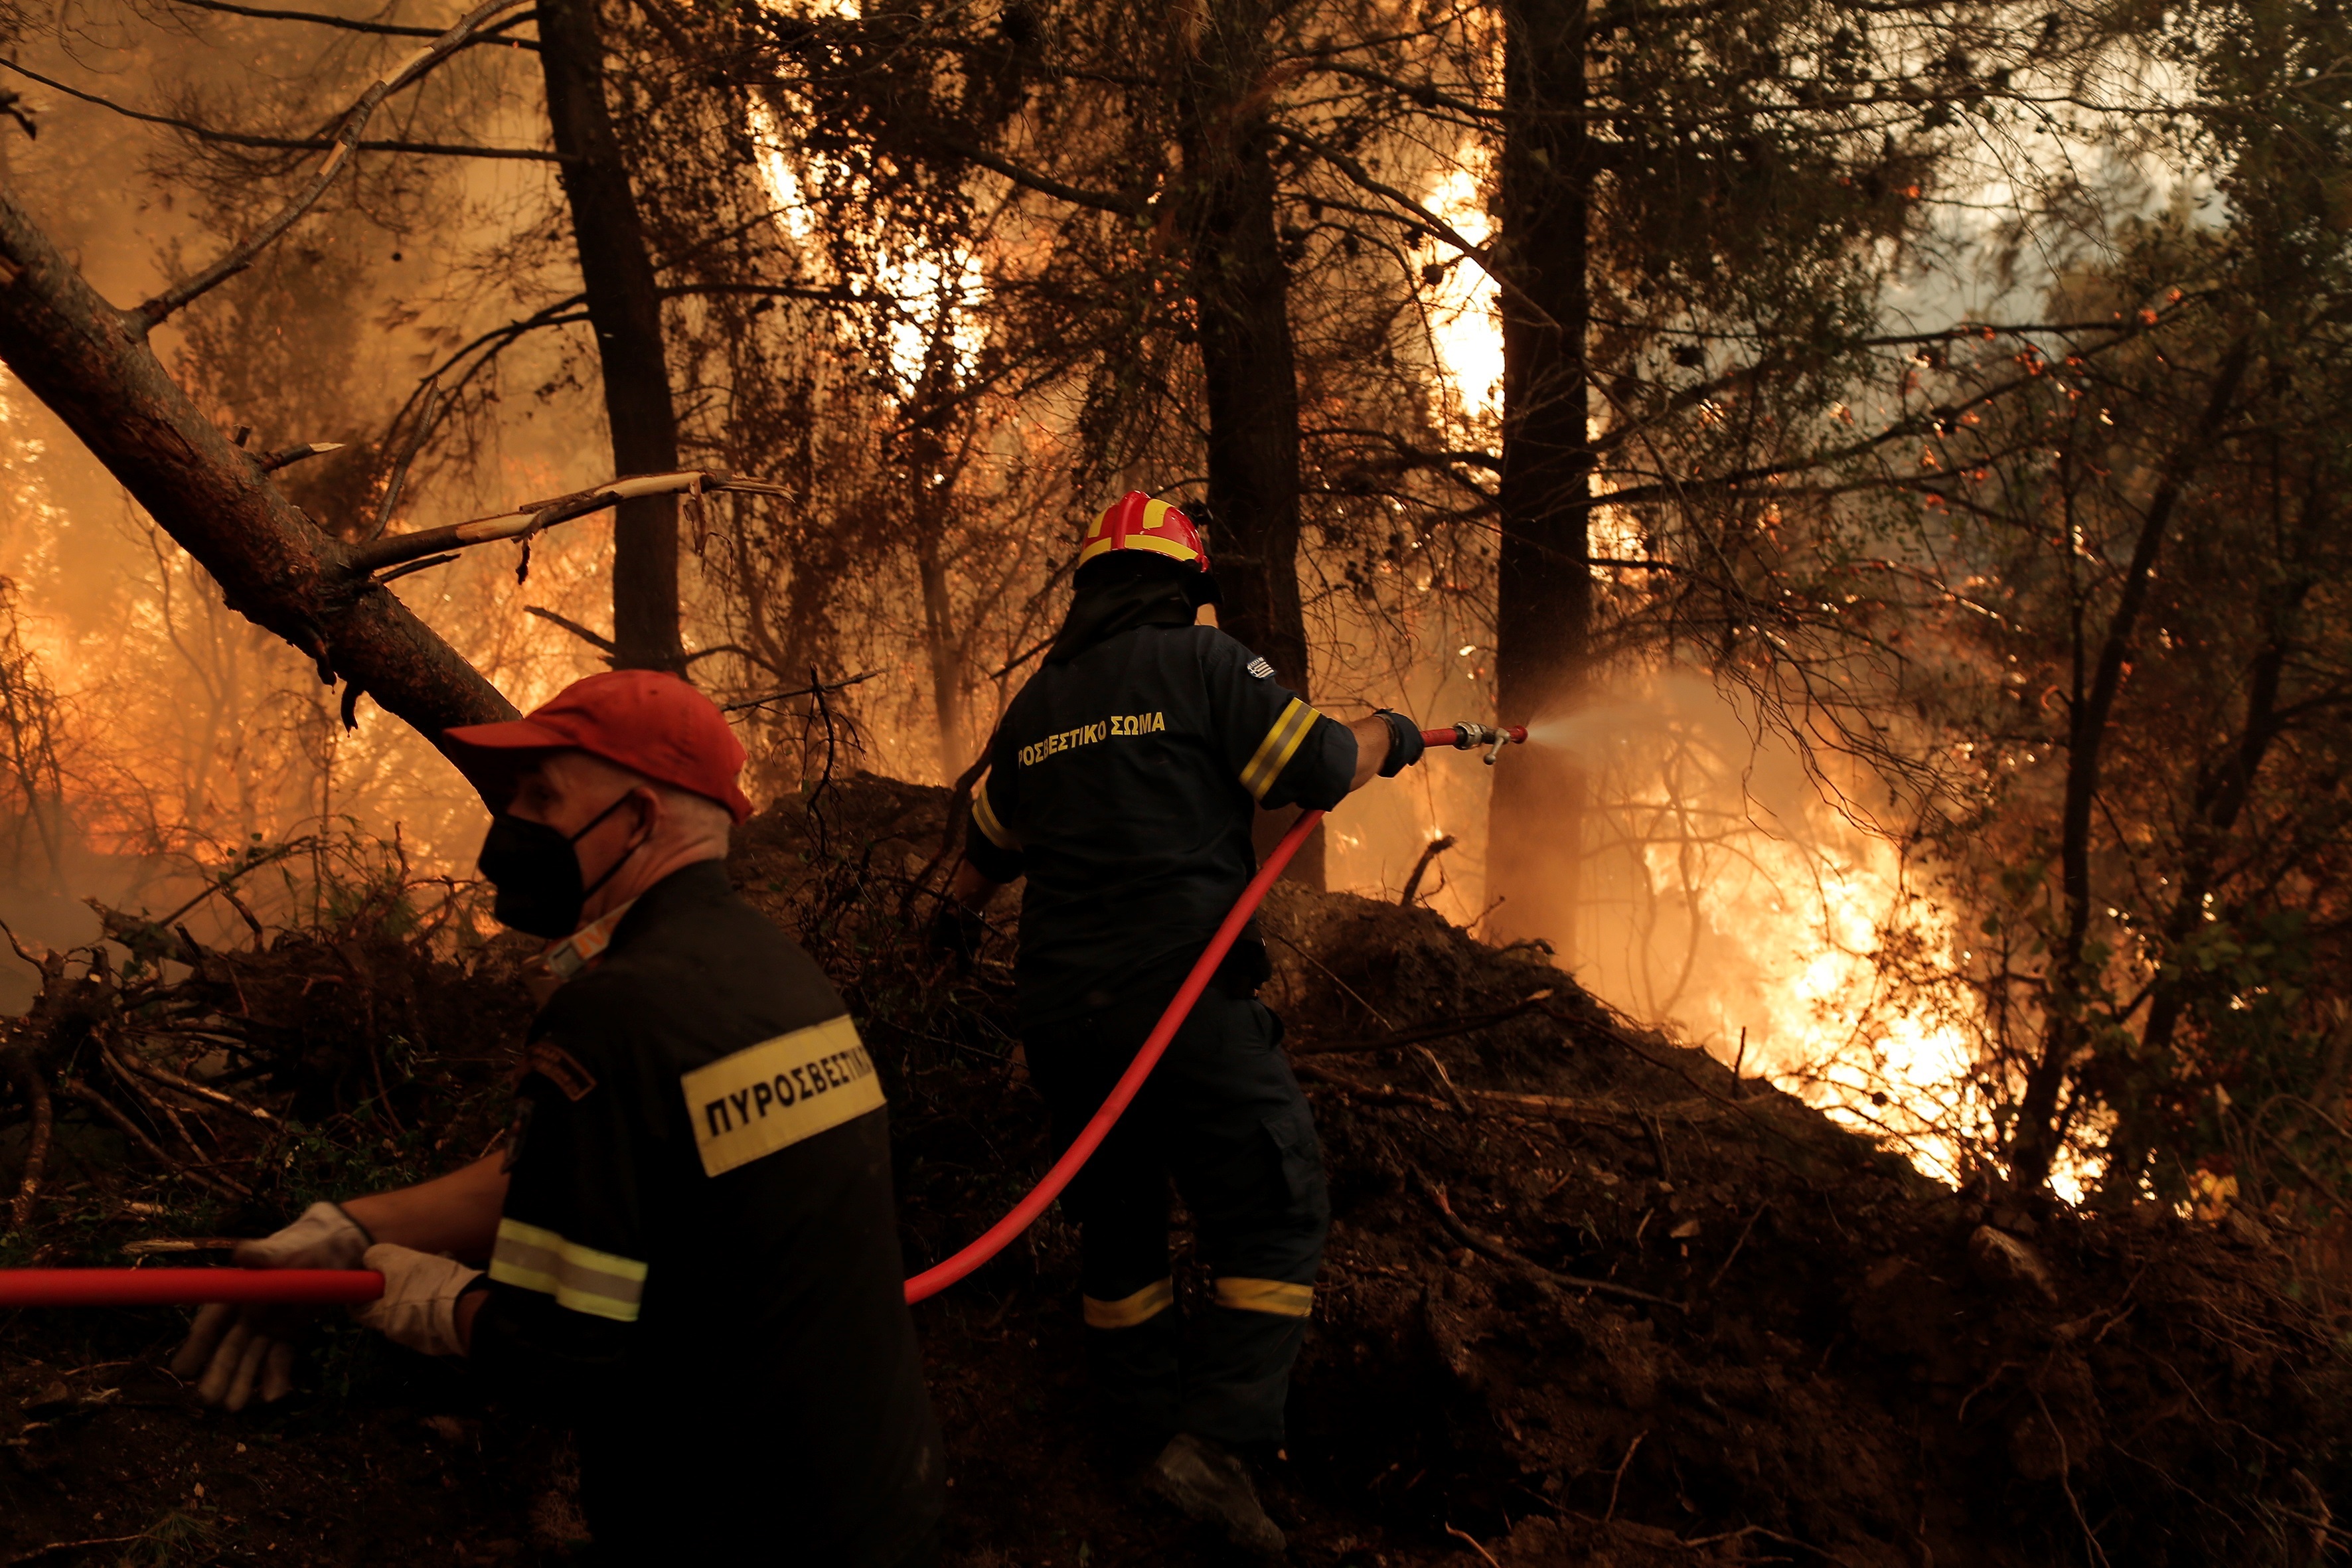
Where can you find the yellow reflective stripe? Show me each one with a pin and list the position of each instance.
(601, 1284)
(985, 815)
(1173, 549)
(1129, 1311)
(1278, 1297)
(1281, 743)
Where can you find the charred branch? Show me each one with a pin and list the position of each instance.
(288, 456)
(286, 143)
(593, 639)
(346, 24)
(241, 255)
(527, 520)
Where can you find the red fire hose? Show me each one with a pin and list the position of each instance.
(338, 1287)
(187, 1286)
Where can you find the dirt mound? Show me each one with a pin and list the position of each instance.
(1590, 1297)
(1654, 1307)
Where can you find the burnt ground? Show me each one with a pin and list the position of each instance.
(1590, 1298)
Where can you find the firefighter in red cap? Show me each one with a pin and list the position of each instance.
(1122, 784)
(690, 1242)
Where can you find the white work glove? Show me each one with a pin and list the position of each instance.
(238, 1347)
(419, 1305)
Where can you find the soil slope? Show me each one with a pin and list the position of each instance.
(1590, 1297)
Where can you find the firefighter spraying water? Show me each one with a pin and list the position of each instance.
(1122, 787)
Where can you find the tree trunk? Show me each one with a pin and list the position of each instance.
(1241, 294)
(1543, 620)
(2066, 1001)
(2220, 799)
(89, 362)
(928, 524)
(616, 273)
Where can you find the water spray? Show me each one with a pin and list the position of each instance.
(337, 1287)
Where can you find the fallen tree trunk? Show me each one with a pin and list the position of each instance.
(91, 364)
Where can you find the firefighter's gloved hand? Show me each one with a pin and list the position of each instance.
(419, 1305)
(241, 1350)
(1405, 744)
(956, 933)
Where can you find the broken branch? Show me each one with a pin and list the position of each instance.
(148, 1097)
(166, 1077)
(527, 520)
(426, 564)
(294, 454)
(74, 1088)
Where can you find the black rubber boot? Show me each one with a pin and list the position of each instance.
(1207, 1482)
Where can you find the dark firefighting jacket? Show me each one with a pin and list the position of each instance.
(699, 1256)
(1122, 784)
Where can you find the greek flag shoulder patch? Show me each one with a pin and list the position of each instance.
(771, 1096)
(560, 1067)
(1260, 668)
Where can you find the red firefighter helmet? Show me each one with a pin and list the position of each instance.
(1135, 521)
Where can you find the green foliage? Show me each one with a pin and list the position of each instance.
(2105, 594)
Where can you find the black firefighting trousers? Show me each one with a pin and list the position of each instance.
(1222, 1115)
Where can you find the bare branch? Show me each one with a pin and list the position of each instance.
(434, 400)
(412, 568)
(1045, 185)
(190, 1086)
(592, 639)
(829, 293)
(810, 690)
(74, 1088)
(1418, 457)
(569, 312)
(298, 144)
(1363, 179)
(1427, 94)
(241, 255)
(386, 29)
(526, 521)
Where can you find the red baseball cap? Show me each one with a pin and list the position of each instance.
(642, 720)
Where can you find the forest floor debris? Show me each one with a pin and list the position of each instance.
(1591, 1297)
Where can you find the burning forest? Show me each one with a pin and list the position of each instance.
(1860, 1075)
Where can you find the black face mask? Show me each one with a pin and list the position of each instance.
(537, 873)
